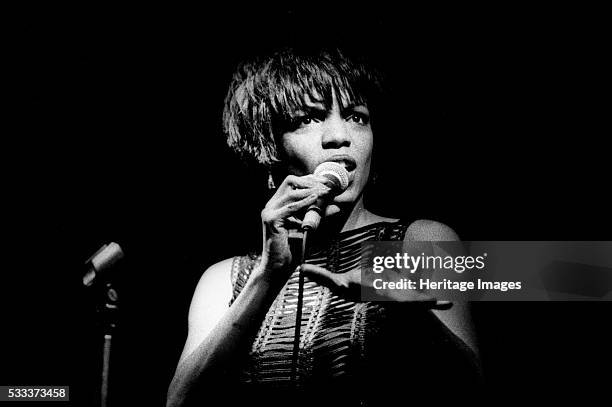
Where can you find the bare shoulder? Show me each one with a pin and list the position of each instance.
(210, 301)
(430, 230)
(214, 288)
(218, 271)
(213, 292)
(458, 318)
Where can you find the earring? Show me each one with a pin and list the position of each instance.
(271, 184)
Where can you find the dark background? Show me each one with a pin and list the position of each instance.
(497, 129)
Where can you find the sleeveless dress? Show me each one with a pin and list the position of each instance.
(347, 349)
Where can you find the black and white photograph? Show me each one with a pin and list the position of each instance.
(330, 205)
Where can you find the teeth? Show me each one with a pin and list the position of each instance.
(348, 166)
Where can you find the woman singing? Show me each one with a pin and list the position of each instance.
(290, 111)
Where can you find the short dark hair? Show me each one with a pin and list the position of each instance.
(265, 92)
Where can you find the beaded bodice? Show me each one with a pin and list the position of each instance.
(334, 330)
(351, 353)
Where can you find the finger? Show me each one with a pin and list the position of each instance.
(295, 182)
(292, 221)
(406, 297)
(414, 296)
(295, 188)
(290, 182)
(315, 270)
(319, 179)
(299, 194)
(293, 207)
(429, 303)
(322, 183)
(304, 182)
(323, 273)
(442, 305)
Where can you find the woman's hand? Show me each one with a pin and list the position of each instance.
(352, 286)
(278, 216)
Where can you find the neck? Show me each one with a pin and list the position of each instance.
(357, 217)
(349, 218)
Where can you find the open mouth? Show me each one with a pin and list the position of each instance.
(347, 161)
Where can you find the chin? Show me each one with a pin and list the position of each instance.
(347, 197)
(332, 209)
(340, 203)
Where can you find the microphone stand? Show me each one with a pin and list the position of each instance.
(100, 280)
(109, 313)
(338, 179)
(297, 243)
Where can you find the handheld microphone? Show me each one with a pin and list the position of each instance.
(338, 179)
(338, 182)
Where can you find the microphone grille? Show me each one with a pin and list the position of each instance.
(334, 172)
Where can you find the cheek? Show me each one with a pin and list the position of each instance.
(299, 156)
(365, 149)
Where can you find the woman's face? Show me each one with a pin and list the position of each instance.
(342, 134)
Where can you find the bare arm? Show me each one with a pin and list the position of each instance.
(218, 334)
(457, 318)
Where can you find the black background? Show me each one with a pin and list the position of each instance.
(497, 128)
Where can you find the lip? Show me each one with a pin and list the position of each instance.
(344, 159)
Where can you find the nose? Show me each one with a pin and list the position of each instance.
(336, 133)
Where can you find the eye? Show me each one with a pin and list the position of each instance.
(307, 119)
(304, 120)
(298, 122)
(359, 118)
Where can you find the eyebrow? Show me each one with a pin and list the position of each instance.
(318, 107)
(353, 106)
(349, 106)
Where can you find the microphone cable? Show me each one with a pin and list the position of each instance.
(298, 311)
